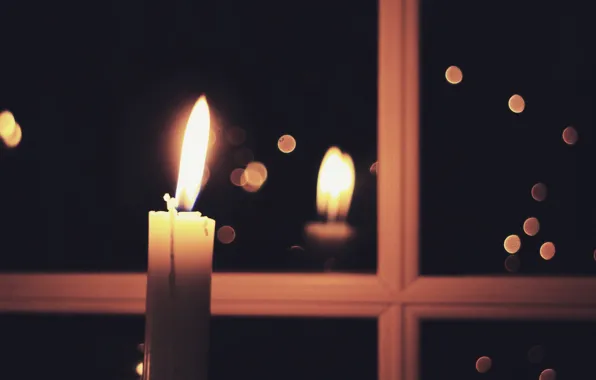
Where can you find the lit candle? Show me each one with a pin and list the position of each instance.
(179, 274)
(335, 187)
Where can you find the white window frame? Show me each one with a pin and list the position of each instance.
(397, 295)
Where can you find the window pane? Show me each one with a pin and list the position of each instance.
(101, 347)
(507, 138)
(102, 99)
(509, 349)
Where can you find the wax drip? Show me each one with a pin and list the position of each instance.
(172, 204)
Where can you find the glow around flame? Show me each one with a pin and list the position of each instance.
(194, 154)
(335, 185)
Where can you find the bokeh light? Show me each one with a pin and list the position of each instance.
(570, 136)
(454, 75)
(286, 144)
(237, 177)
(236, 136)
(548, 374)
(139, 369)
(483, 364)
(531, 226)
(15, 138)
(226, 234)
(512, 263)
(512, 244)
(374, 167)
(7, 124)
(256, 175)
(547, 250)
(517, 104)
(539, 192)
(536, 354)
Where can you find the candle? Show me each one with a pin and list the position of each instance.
(179, 273)
(335, 187)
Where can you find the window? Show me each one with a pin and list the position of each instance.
(398, 294)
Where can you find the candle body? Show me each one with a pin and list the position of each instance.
(178, 308)
(329, 234)
(328, 243)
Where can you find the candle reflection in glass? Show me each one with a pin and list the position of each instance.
(335, 186)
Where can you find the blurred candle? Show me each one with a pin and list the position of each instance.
(179, 273)
(335, 187)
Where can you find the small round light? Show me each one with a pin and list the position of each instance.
(286, 144)
(517, 104)
(454, 75)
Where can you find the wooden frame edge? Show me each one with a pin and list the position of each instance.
(502, 290)
(254, 294)
(390, 343)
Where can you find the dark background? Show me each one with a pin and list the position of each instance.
(450, 349)
(98, 89)
(105, 347)
(480, 160)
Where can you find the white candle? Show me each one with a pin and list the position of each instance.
(179, 272)
(335, 187)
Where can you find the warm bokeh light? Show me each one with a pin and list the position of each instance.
(194, 154)
(7, 124)
(286, 144)
(237, 177)
(454, 75)
(517, 104)
(374, 167)
(236, 136)
(256, 175)
(547, 250)
(548, 374)
(531, 226)
(483, 364)
(539, 192)
(139, 369)
(570, 136)
(536, 354)
(15, 138)
(335, 185)
(226, 234)
(243, 156)
(512, 244)
(512, 263)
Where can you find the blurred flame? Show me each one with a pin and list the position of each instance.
(139, 369)
(15, 137)
(194, 154)
(335, 185)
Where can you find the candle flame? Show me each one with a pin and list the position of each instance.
(335, 185)
(194, 154)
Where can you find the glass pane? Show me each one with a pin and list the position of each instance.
(105, 347)
(507, 138)
(102, 126)
(513, 350)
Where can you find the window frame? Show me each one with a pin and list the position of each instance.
(397, 294)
